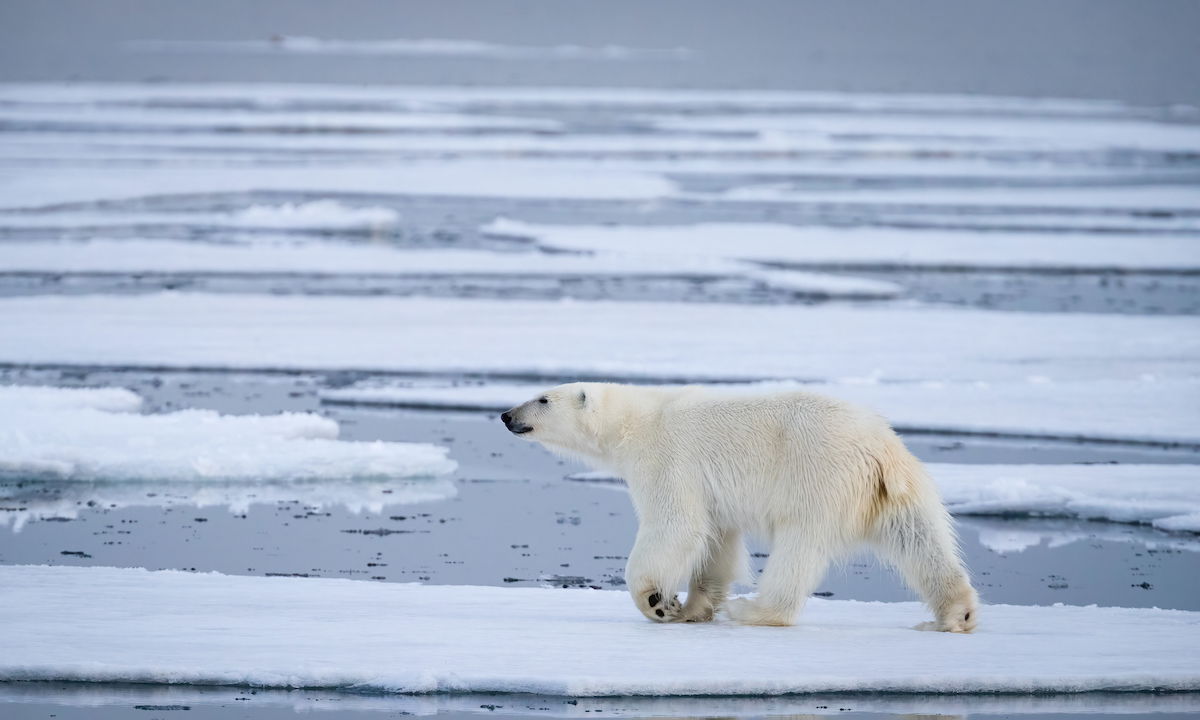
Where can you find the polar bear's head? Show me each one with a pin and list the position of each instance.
(565, 418)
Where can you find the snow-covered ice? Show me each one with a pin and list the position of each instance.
(573, 339)
(48, 434)
(1166, 199)
(876, 247)
(892, 128)
(1132, 411)
(129, 625)
(152, 140)
(1164, 496)
(35, 187)
(324, 258)
(318, 215)
(36, 398)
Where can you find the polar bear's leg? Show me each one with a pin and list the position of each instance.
(918, 538)
(724, 562)
(662, 558)
(798, 563)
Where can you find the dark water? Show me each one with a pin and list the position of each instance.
(1112, 49)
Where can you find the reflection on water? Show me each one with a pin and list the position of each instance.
(21, 502)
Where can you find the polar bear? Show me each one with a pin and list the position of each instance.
(812, 475)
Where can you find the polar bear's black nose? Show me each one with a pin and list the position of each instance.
(505, 418)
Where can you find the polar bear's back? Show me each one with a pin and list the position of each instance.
(772, 456)
(795, 417)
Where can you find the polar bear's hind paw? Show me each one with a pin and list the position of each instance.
(752, 612)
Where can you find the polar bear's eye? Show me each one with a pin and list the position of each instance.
(582, 398)
(544, 400)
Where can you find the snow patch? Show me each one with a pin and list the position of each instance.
(122, 625)
(36, 398)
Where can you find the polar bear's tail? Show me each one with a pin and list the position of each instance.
(913, 531)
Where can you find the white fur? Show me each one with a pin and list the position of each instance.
(813, 476)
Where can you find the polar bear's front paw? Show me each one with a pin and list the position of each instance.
(660, 607)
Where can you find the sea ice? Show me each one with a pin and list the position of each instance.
(1132, 411)
(613, 340)
(277, 95)
(129, 625)
(1160, 495)
(1030, 132)
(869, 246)
(40, 186)
(46, 433)
(318, 214)
(321, 258)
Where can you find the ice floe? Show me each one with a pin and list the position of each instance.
(969, 156)
(320, 214)
(123, 625)
(1164, 496)
(1029, 132)
(317, 215)
(40, 186)
(871, 247)
(611, 340)
(36, 398)
(44, 434)
(326, 258)
(1166, 199)
(1131, 411)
